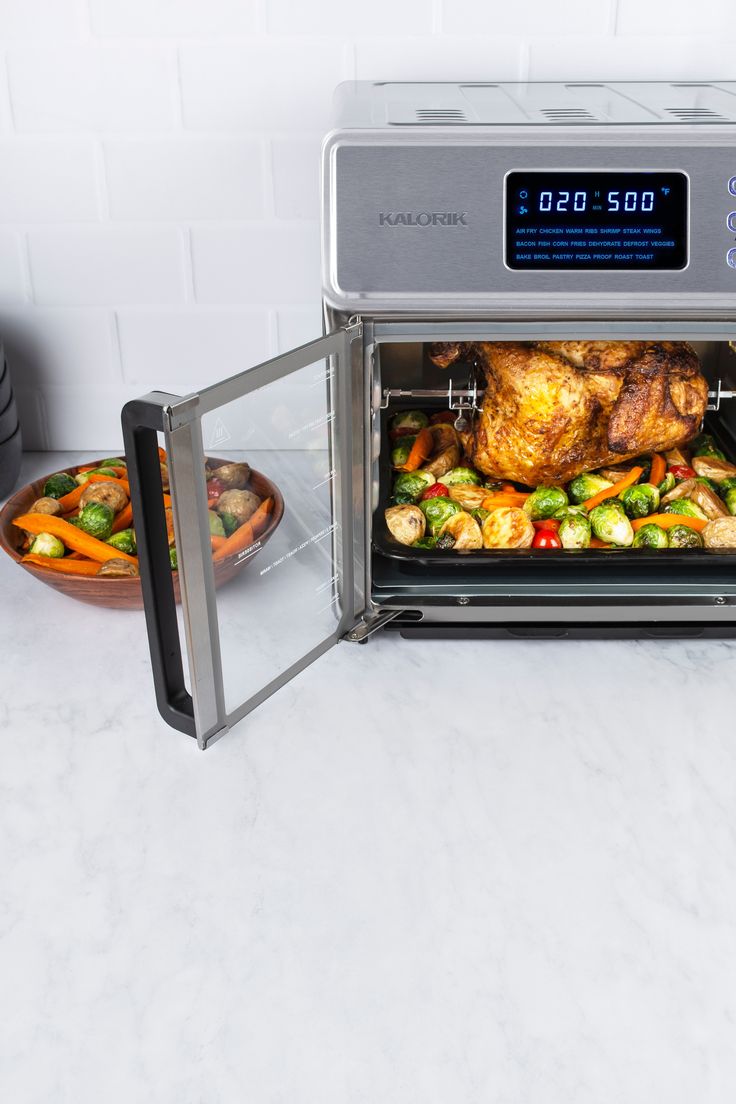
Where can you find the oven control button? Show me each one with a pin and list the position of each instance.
(731, 221)
(732, 185)
(731, 258)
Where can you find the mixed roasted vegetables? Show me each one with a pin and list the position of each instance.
(676, 500)
(83, 523)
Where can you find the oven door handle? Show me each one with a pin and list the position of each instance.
(142, 420)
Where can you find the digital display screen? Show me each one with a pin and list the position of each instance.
(589, 220)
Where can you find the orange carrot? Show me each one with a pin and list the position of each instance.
(72, 537)
(614, 490)
(421, 450)
(499, 498)
(124, 520)
(245, 534)
(666, 521)
(69, 501)
(86, 468)
(162, 455)
(65, 564)
(658, 470)
(509, 488)
(216, 542)
(596, 543)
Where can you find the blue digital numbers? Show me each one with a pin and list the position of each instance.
(565, 201)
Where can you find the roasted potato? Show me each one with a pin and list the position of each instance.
(241, 504)
(446, 451)
(507, 527)
(109, 493)
(464, 530)
(468, 495)
(712, 468)
(234, 476)
(406, 523)
(720, 533)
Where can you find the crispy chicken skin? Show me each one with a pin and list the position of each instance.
(554, 409)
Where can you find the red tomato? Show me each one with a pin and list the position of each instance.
(215, 487)
(552, 524)
(435, 491)
(546, 538)
(682, 471)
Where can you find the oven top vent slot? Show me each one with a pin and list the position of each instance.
(440, 116)
(568, 115)
(696, 115)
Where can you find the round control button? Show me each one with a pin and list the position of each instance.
(731, 258)
(731, 221)
(732, 185)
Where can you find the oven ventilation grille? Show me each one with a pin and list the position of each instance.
(568, 115)
(696, 115)
(439, 115)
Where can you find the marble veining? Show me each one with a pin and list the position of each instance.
(434, 872)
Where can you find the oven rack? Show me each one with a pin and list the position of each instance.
(466, 398)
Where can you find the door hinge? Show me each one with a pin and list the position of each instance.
(368, 625)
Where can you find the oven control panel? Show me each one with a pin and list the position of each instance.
(637, 224)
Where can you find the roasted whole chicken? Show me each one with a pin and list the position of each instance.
(554, 409)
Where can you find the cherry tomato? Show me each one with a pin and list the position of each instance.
(215, 488)
(435, 491)
(682, 471)
(546, 538)
(448, 416)
(551, 524)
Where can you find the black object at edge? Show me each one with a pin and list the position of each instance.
(141, 421)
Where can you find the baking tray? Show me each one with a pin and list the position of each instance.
(531, 558)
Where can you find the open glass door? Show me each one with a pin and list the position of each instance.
(265, 551)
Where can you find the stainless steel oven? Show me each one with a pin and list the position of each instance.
(478, 212)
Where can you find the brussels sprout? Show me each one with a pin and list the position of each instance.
(58, 485)
(461, 475)
(650, 536)
(410, 486)
(640, 500)
(426, 542)
(704, 445)
(445, 541)
(173, 558)
(217, 528)
(685, 506)
(400, 451)
(667, 484)
(84, 477)
(479, 514)
(113, 462)
(730, 500)
(543, 502)
(574, 531)
(726, 485)
(230, 523)
(409, 419)
(610, 523)
(583, 487)
(47, 545)
(682, 536)
(437, 511)
(570, 510)
(96, 518)
(124, 541)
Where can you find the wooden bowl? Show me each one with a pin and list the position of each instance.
(123, 593)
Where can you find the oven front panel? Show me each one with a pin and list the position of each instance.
(422, 224)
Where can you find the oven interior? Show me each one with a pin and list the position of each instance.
(401, 575)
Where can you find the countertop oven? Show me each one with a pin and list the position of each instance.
(478, 212)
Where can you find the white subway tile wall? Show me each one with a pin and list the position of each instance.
(159, 188)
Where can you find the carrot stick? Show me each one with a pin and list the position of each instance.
(596, 543)
(500, 498)
(216, 542)
(246, 534)
(85, 468)
(124, 519)
(72, 537)
(162, 455)
(658, 470)
(614, 490)
(666, 521)
(421, 450)
(509, 488)
(65, 565)
(69, 501)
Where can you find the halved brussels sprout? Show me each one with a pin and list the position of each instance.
(650, 536)
(96, 518)
(682, 536)
(543, 502)
(410, 486)
(685, 506)
(574, 531)
(640, 500)
(610, 523)
(400, 451)
(667, 484)
(124, 541)
(409, 419)
(566, 511)
(47, 545)
(461, 475)
(437, 511)
(583, 487)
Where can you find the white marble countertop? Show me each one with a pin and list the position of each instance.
(438, 872)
